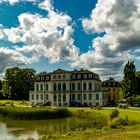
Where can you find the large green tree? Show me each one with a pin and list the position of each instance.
(17, 82)
(138, 82)
(129, 80)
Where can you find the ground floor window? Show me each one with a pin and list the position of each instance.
(41, 96)
(90, 96)
(73, 97)
(47, 97)
(85, 96)
(32, 96)
(54, 97)
(59, 97)
(97, 96)
(64, 97)
(79, 97)
(37, 96)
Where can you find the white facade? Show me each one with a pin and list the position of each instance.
(68, 88)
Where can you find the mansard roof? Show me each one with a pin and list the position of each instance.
(110, 83)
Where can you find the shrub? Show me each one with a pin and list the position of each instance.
(114, 114)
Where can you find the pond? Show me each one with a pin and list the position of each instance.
(22, 130)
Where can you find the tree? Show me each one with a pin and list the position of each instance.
(17, 83)
(138, 82)
(129, 80)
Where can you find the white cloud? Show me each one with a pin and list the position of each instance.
(16, 1)
(119, 20)
(49, 36)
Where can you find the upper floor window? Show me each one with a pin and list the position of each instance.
(114, 89)
(90, 86)
(54, 77)
(59, 76)
(46, 86)
(90, 76)
(84, 86)
(85, 76)
(59, 87)
(47, 97)
(64, 87)
(64, 98)
(59, 97)
(41, 87)
(36, 96)
(37, 87)
(73, 86)
(79, 86)
(79, 76)
(54, 86)
(73, 76)
(54, 97)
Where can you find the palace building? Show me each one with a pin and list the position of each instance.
(113, 89)
(68, 88)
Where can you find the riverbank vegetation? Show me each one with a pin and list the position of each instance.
(41, 113)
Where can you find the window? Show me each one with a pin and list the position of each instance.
(73, 96)
(59, 76)
(59, 87)
(47, 97)
(54, 97)
(79, 97)
(90, 86)
(73, 86)
(79, 86)
(37, 87)
(38, 78)
(64, 87)
(97, 96)
(41, 96)
(32, 96)
(37, 96)
(54, 77)
(59, 97)
(84, 86)
(90, 76)
(85, 76)
(90, 96)
(46, 86)
(79, 76)
(85, 96)
(64, 76)
(114, 89)
(64, 98)
(41, 87)
(54, 87)
(47, 77)
(73, 76)
(42, 78)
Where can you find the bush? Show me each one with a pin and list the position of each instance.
(114, 114)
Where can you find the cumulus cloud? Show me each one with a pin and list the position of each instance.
(16, 1)
(49, 36)
(119, 20)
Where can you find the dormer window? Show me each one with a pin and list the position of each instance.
(38, 78)
(79, 76)
(90, 75)
(73, 76)
(42, 78)
(47, 77)
(85, 76)
(59, 76)
(54, 77)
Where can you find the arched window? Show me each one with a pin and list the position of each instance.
(84, 86)
(54, 87)
(37, 87)
(41, 87)
(64, 87)
(90, 86)
(59, 87)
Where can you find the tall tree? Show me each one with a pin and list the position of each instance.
(129, 80)
(17, 83)
(138, 82)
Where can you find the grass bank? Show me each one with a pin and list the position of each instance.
(43, 113)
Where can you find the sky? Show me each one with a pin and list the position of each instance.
(99, 35)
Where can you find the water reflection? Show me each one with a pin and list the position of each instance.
(22, 130)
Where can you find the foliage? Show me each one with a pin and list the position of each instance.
(87, 119)
(17, 113)
(137, 83)
(114, 113)
(129, 80)
(17, 83)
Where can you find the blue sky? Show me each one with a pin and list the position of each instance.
(95, 40)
